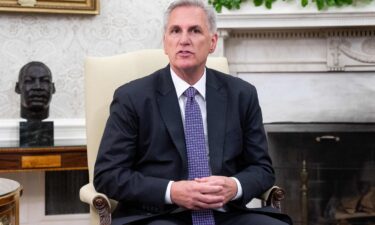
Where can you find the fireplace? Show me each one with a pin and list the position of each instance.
(316, 70)
(327, 170)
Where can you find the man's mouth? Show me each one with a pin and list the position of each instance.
(184, 53)
(38, 98)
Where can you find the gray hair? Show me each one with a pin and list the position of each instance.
(208, 10)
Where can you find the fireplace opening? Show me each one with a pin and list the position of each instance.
(327, 170)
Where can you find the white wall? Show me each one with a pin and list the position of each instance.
(63, 41)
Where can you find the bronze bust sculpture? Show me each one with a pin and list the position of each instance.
(36, 88)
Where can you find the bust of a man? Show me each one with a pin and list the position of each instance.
(36, 88)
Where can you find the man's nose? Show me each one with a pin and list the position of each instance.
(185, 39)
(36, 84)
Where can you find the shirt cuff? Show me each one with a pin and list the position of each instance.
(239, 189)
(167, 197)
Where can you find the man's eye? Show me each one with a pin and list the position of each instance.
(196, 30)
(175, 31)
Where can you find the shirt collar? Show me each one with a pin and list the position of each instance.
(181, 85)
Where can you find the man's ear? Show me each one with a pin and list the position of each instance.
(53, 88)
(214, 40)
(17, 89)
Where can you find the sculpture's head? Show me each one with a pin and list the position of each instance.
(36, 88)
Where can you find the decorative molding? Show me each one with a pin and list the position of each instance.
(222, 36)
(368, 46)
(277, 41)
(298, 33)
(284, 50)
(356, 55)
(342, 53)
(285, 14)
(276, 21)
(66, 132)
(333, 55)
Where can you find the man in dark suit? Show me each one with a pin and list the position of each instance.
(143, 160)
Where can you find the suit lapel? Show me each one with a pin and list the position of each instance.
(216, 117)
(216, 98)
(170, 112)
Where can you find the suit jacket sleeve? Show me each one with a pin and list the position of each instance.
(115, 173)
(257, 174)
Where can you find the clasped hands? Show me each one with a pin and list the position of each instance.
(203, 193)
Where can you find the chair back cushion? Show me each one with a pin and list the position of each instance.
(104, 74)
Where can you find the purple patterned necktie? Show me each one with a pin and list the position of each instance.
(198, 165)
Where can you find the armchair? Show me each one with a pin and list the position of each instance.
(109, 73)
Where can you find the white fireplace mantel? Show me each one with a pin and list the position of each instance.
(289, 15)
(307, 66)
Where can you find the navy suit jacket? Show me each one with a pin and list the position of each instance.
(143, 146)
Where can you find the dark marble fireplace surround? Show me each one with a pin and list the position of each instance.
(335, 162)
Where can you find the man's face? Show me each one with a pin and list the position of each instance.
(187, 39)
(36, 88)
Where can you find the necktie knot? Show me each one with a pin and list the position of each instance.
(190, 92)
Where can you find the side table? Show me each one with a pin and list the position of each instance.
(51, 158)
(10, 192)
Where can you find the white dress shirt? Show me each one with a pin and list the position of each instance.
(181, 86)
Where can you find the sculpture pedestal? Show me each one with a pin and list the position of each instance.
(36, 134)
(10, 192)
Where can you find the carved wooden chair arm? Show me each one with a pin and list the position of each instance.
(273, 197)
(98, 202)
(102, 205)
